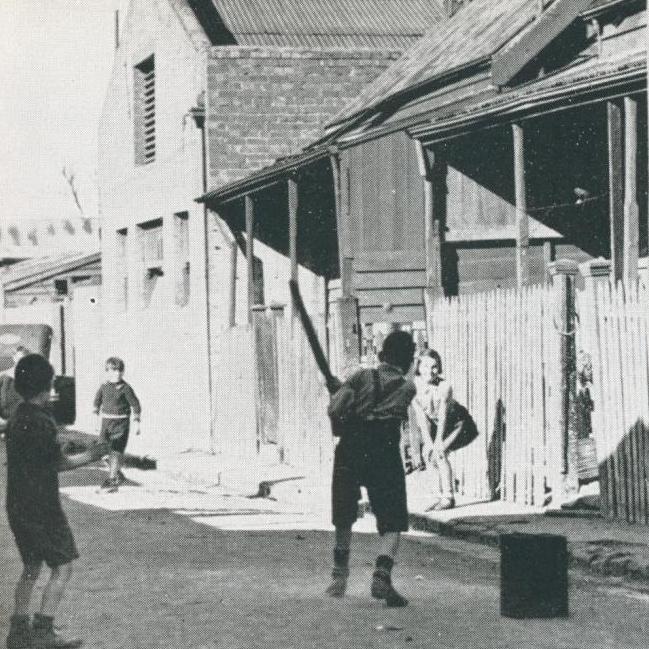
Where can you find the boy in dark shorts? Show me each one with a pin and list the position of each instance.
(372, 404)
(34, 510)
(114, 402)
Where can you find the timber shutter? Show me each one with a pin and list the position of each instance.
(144, 111)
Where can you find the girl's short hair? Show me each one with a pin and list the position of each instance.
(428, 353)
(115, 363)
(33, 375)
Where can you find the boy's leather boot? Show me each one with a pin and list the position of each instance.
(339, 574)
(20, 633)
(45, 637)
(382, 583)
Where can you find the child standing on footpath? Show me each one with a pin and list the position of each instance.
(34, 511)
(113, 405)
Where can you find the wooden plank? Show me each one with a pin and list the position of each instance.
(391, 260)
(399, 314)
(395, 297)
(626, 392)
(618, 405)
(607, 402)
(390, 280)
(478, 286)
(640, 390)
(616, 187)
(512, 59)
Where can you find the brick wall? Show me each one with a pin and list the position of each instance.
(268, 102)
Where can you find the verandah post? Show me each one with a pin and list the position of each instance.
(631, 212)
(250, 251)
(345, 330)
(432, 169)
(594, 272)
(564, 443)
(522, 219)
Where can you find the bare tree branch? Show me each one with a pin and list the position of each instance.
(69, 178)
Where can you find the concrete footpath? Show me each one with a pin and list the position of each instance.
(605, 547)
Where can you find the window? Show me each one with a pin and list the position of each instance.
(121, 266)
(61, 287)
(181, 238)
(144, 111)
(151, 258)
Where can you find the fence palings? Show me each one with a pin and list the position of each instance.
(495, 354)
(617, 341)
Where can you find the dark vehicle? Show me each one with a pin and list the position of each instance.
(37, 338)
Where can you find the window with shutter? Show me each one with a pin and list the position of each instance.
(144, 111)
(151, 258)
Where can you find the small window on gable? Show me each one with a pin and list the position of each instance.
(144, 111)
(121, 293)
(151, 258)
(181, 226)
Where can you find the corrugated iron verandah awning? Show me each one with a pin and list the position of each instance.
(265, 177)
(585, 83)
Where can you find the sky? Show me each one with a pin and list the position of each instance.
(55, 61)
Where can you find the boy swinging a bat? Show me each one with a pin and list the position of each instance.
(366, 412)
(372, 403)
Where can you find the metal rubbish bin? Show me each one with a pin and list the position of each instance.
(533, 575)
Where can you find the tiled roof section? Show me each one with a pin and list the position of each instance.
(41, 267)
(308, 23)
(476, 32)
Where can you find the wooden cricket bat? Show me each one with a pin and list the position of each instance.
(332, 382)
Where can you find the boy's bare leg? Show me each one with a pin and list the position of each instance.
(55, 588)
(43, 634)
(340, 570)
(114, 463)
(390, 544)
(25, 587)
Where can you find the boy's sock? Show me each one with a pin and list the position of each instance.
(382, 583)
(20, 633)
(44, 636)
(339, 573)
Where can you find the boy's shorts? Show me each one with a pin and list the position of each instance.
(115, 433)
(49, 540)
(372, 461)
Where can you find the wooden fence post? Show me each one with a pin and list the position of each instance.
(594, 272)
(563, 273)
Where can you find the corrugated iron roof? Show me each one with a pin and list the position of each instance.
(588, 74)
(371, 23)
(397, 42)
(475, 33)
(25, 272)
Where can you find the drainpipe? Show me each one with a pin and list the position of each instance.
(198, 115)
